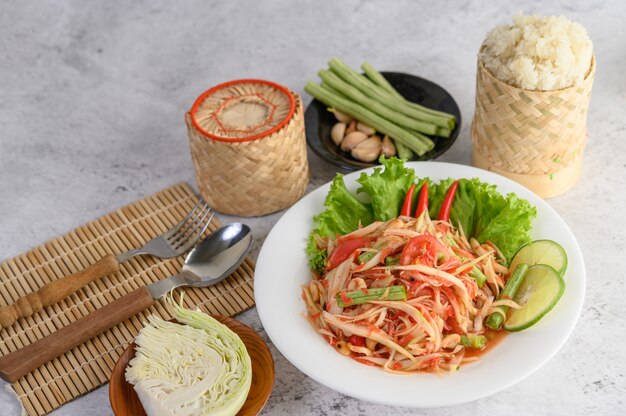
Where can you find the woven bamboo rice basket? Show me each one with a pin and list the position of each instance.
(536, 138)
(248, 147)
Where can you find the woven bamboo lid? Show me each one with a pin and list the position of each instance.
(242, 110)
(248, 147)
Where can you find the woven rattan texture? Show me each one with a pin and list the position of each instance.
(255, 177)
(530, 132)
(88, 366)
(211, 114)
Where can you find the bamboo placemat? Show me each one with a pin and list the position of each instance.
(88, 366)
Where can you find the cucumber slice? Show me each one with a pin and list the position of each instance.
(538, 293)
(541, 252)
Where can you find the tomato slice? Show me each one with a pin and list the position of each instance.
(344, 250)
(356, 340)
(422, 249)
(453, 325)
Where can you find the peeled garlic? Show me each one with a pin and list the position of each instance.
(351, 140)
(351, 127)
(389, 149)
(368, 150)
(337, 133)
(370, 344)
(341, 117)
(343, 348)
(365, 128)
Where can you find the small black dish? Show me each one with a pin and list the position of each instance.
(319, 121)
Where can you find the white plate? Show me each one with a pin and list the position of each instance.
(282, 267)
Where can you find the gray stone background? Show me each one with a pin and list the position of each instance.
(92, 97)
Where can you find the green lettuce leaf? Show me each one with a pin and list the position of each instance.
(509, 223)
(485, 214)
(387, 188)
(343, 213)
(478, 208)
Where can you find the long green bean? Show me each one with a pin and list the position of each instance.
(474, 341)
(380, 80)
(359, 297)
(379, 94)
(403, 151)
(377, 107)
(417, 142)
(372, 73)
(494, 321)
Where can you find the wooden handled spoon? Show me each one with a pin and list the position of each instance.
(207, 264)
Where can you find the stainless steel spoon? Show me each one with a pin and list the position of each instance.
(210, 262)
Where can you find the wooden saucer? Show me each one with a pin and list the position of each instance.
(124, 400)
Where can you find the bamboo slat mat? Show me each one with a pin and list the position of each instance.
(88, 366)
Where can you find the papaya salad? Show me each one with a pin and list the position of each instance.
(419, 275)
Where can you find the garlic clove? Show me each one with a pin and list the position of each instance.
(389, 149)
(365, 128)
(351, 140)
(338, 132)
(368, 150)
(351, 127)
(370, 344)
(341, 117)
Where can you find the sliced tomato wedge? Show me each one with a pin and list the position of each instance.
(344, 250)
(422, 249)
(453, 325)
(356, 340)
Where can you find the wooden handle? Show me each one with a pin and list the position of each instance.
(56, 290)
(21, 362)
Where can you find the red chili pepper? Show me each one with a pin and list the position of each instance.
(344, 250)
(422, 202)
(408, 200)
(356, 340)
(444, 212)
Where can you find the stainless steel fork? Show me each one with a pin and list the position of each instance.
(172, 243)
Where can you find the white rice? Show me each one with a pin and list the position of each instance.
(538, 53)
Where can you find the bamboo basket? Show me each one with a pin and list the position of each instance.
(536, 138)
(248, 147)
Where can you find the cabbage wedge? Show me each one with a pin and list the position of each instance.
(198, 368)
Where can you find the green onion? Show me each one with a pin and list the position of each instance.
(358, 297)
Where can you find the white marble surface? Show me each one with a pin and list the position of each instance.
(91, 118)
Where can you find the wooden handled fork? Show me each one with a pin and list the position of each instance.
(172, 243)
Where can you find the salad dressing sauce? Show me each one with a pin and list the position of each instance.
(493, 339)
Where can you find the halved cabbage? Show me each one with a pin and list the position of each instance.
(198, 368)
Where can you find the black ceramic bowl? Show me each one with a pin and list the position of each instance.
(319, 121)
